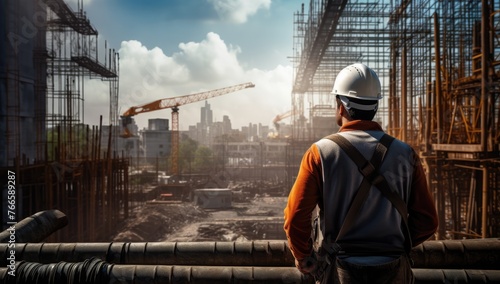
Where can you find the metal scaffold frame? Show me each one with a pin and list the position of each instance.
(59, 161)
(439, 66)
(72, 44)
(86, 179)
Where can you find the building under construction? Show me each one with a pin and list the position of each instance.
(47, 54)
(439, 64)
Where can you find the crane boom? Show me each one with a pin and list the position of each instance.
(186, 99)
(282, 116)
(174, 104)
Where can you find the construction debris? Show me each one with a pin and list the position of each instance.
(258, 219)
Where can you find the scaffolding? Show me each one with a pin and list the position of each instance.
(72, 44)
(438, 62)
(49, 54)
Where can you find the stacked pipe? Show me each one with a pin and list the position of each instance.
(457, 261)
(454, 261)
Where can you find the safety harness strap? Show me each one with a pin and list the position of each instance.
(370, 171)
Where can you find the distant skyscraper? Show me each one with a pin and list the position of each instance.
(226, 125)
(206, 116)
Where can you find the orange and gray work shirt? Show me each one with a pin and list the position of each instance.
(329, 178)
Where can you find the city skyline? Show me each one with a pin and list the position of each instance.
(176, 48)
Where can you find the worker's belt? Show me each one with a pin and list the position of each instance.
(368, 249)
(328, 252)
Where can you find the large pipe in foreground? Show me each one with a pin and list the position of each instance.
(255, 253)
(92, 271)
(35, 228)
(98, 271)
(451, 254)
(458, 254)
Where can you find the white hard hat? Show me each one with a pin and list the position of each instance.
(357, 81)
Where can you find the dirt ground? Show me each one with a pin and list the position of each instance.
(258, 218)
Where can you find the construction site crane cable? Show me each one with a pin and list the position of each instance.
(174, 103)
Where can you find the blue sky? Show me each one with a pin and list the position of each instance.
(176, 47)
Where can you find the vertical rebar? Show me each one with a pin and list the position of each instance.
(437, 52)
(404, 94)
(485, 67)
(484, 209)
(428, 118)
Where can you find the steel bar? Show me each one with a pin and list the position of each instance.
(452, 254)
(35, 228)
(403, 134)
(484, 204)
(485, 68)
(438, 95)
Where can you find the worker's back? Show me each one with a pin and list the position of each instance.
(376, 221)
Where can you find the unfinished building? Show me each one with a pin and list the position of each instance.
(439, 66)
(438, 62)
(49, 53)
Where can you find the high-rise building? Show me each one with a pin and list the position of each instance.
(156, 140)
(206, 118)
(226, 125)
(23, 84)
(46, 53)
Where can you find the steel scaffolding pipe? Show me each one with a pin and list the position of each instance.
(35, 228)
(97, 271)
(451, 254)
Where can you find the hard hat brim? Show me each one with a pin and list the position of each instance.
(348, 104)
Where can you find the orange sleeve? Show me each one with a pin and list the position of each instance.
(302, 200)
(422, 215)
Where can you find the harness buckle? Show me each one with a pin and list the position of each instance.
(332, 250)
(368, 170)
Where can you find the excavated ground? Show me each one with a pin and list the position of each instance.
(258, 218)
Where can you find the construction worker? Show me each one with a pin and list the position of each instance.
(370, 191)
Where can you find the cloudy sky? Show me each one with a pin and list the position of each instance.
(170, 48)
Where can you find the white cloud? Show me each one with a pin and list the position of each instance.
(148, 74)
(238, 11)
(210, 59)
(271, 96)
(143, 70)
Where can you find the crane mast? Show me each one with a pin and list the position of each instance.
(174, 104)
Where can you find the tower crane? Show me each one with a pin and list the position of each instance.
(280, 117)
(174, 103)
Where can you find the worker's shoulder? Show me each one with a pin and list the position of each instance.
(324, 145)
(400, 143)
(353, 136)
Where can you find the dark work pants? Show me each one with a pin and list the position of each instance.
(397, 271)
